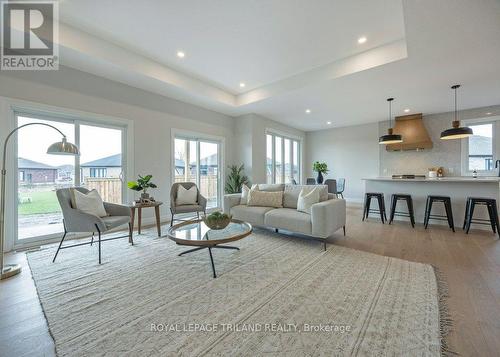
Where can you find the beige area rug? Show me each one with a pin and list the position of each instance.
(278, 295)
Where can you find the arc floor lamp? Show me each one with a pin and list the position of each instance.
(59, 148)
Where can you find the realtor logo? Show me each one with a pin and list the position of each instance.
(30, 35)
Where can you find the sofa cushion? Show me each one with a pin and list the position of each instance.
(251, 214)
(306, 200)
(268, 187)
(244, 193)
(289, 219)
(291, 194)
(265, 199)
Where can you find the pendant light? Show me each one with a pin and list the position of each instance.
(456, 132)
(390, 138)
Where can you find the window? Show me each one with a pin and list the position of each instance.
(97, 172)
(98, 167)
(479, 150)
(282, 159)
(199, 161)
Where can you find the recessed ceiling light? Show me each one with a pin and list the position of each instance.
(362, 40)
(308, 111)
(242, 85)
(489, 113)
(180, 54)
(407, 110)
(329, 122)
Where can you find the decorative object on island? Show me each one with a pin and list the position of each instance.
(390, 137)
(456, 132)
(142, 184)
(321, 168)
(59, 148)
(236, 179)
(217, 220)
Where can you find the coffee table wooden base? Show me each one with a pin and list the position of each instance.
(209, 252)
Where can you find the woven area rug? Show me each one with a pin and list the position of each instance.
(278, 295)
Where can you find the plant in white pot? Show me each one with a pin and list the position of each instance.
(143, 183)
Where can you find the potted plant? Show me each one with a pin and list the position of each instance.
(235, 179)
(143, 183)
(321, 168)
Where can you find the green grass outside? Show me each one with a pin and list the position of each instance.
(41, 202)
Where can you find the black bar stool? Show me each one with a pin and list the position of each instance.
(381, 204)
(491, 204)
(409, 202)
(447, 206)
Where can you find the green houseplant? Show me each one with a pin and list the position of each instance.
(235, 179)
(143, 183)
(321, 168)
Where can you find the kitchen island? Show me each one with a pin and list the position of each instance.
(457, 188)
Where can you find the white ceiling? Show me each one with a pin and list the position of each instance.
(293, 54)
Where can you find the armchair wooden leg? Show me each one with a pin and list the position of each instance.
(60, 244)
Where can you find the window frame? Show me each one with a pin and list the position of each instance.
(284, 137)
(55, 114)
(495, 121)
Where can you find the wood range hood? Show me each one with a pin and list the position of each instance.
(415, 135)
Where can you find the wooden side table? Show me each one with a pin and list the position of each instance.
(139, 207)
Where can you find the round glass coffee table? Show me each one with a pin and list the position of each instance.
(196, 233)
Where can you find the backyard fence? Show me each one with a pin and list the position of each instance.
(110, 189)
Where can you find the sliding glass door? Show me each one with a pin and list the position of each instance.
(101, 161)
(39, 175)
(198, 161)
(100, 166)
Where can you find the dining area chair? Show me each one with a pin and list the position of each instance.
(332, 186)
(310, 181)
(341, 187)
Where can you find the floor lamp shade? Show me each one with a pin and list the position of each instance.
(60, 148)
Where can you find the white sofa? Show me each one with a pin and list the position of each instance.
(326, 217)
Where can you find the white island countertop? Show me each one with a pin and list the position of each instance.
(484, 179)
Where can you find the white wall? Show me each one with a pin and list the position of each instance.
(351, 152)
(153, 118)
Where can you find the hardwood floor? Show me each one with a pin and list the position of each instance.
(470, 263)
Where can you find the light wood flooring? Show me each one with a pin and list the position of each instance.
(470, 263)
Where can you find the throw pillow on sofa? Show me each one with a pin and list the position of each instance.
(90, 202)
(244, 193)
(187, 197)
(307, 199)
(265, 199)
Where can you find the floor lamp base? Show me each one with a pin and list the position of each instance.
(10, 270)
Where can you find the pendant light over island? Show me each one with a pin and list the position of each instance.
(390, 137)
(456, 132)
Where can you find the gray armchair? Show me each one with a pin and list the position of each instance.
(201, 205)
(76, 221)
